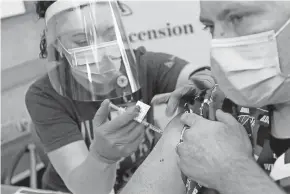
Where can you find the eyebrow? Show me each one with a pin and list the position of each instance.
(204, 20)
(236, 6)
(228, 8)
(79, 35)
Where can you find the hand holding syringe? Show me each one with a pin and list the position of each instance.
(143, 122)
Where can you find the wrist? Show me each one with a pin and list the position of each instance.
(102, 159)
(245, 176)
(93, 175)
(234, 173)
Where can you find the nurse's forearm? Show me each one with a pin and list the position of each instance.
(92, 177)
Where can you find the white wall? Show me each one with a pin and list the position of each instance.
(20, 39)
(11, 8)
(20, 36)
(13, 105)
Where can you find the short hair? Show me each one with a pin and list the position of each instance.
(40, 9)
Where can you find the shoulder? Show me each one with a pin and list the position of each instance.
(52, 115)
(41, 99)
(41, 90)
(158, 58)
(40, 87)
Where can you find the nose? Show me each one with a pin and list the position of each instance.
(223, 31)
(218, 32)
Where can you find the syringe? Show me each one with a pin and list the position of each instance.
(143, 122)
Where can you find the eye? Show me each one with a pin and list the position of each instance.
(236, 19)
(208, 28)
(82, 42)
(109, 35)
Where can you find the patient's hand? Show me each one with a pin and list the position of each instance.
(170, 139)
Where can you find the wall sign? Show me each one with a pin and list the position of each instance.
(167, 26)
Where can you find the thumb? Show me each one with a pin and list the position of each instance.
(190, 119)
(176, 95)
(160, 98)
(203, 80)
(178, 150)
(102, 114)
(225, 118)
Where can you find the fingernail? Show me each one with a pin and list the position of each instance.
(105, 102)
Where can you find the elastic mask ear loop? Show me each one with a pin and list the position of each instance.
(282, 28)
(58, 49)
(277, 34)
(70, 53)
(63, 47)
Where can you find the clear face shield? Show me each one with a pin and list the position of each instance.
(89, 54)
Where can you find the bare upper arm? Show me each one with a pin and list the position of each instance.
(68, 157)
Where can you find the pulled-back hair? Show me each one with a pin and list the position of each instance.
(40, 8)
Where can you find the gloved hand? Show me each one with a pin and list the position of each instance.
(198, 82)
(117, 138)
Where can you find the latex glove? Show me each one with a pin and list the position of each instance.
(210, 149)
(199, 81)
(117, 138)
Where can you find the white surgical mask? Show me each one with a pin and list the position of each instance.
(248, 70)
(100, 59)
(98, 64)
